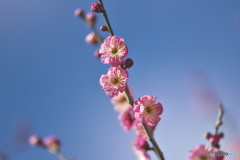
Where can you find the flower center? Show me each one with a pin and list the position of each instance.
(123, 99)
(115, 81)
(148, 110)
(114, 50)
(203, 157)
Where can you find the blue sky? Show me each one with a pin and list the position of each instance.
(50, 79)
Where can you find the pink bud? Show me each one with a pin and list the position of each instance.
(96, 54)
(96, 7)
(91, 38)
(104, 28)
(128, 63)
(51, 142)
(221, 135)
(126, 120)
(214, 140)
(91, 19)
(35, 140)
(79, 13)
(141, 144)
(207, 135)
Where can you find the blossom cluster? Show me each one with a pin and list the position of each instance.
(144, 110)
(203, 152)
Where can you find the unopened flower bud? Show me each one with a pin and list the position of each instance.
(221, 135)
(91, 19)
(104, 28)
(79, 13)
(91, 38)
(207, 135)
(214, 140)
(128, 63)
(35, 140)
(96, 54)
(97, 7)
(52, 143)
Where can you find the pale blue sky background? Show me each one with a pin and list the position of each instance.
(50, 79)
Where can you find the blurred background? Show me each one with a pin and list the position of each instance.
(187, 53)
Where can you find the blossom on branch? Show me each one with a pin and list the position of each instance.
(140, 131)
(97, 7)
(115, 81)
(126, 120)
(147, 110)
(140, 146)
(113, 50)
(121, 103)
(202, 152)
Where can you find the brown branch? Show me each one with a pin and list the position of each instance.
(219, 118)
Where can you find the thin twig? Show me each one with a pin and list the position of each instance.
(130, 98)
(58, 154)
(158, 151)
(219, 118)
(105, 17)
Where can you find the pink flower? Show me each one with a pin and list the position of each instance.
(126, 120)
(147, 110)
(201, 152)
(114, 82)
(121, 103)
(140, 146)
(220, 154)
(113, 50)
(140, 130)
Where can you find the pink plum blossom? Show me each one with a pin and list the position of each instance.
(126, 120)
(201, 152)
(121, 103)
(140, 146)
(115, 81)
(147, 110)
(140, 131)
(113, 50)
